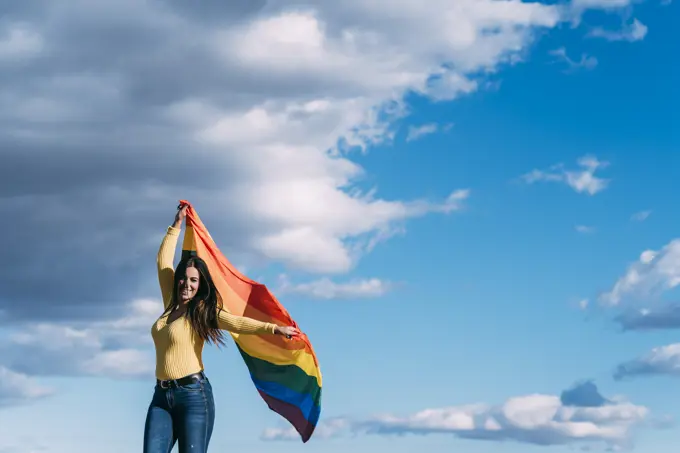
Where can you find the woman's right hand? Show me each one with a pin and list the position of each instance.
(287, 331)
(181, 214)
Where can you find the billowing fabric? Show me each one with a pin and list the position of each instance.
(284, 371)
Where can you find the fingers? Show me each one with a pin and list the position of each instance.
(182, 211)
(293, 332)
(290, 332)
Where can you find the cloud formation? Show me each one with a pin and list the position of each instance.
(416, 132)
(18, 388)
(583, 394)
(653, 274)
(641, 216)
(664, 317)
(584, 229)
(663, 360)
(636, 31)
(586, 61)
(581, 416)
(582, 181)
(326, 288)
(118, 348)
(251, 110)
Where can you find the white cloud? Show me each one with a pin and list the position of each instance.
(415, 132)
(119, 363)
(584, 229)
(142, 312)
(641, 216)
(532, 419)
(315, 218)
(586, 62)
(582, 181)
(325, 288)
(664, 360)
(329, 427)
(365, 66)
(655, 272)
(636, 31)
(18, 388)
(448, 86)
(117, 348)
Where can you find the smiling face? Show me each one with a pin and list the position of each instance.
(187, 286)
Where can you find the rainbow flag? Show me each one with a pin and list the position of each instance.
(285, 371)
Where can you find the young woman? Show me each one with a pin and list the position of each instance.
(182, 408)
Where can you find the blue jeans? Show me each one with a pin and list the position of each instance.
(184, 414)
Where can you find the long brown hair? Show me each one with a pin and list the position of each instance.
(202, 308)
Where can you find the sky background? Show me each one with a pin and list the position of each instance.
(470, 208)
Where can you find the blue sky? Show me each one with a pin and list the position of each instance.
(485, 260)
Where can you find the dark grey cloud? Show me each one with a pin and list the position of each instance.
(68, 257)
(92, 168)
(583, 394)
(660, 361)
(81, 254)
(216, 10)
(82, 361)
(120, 347)
(666, 317)
(28, 9)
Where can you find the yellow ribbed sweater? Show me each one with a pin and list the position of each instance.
(179, 349)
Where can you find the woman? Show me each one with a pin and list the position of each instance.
(182, 408)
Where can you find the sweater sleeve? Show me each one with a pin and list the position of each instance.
(241, 324)
(166, 270)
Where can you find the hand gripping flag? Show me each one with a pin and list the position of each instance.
(285, 371)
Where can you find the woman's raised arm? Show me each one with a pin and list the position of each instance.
(166, 255)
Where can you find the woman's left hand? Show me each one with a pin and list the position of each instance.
(288, 331)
